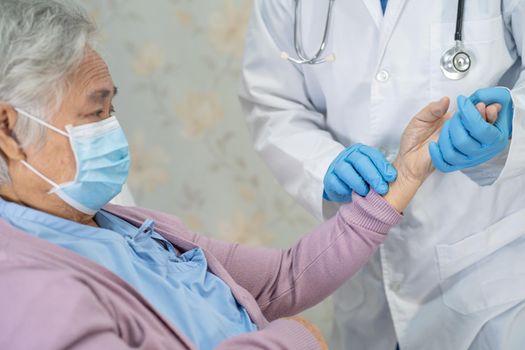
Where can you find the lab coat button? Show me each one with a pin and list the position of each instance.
(382, 76)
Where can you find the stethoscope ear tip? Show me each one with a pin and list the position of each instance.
(284, 55)
(330, 58)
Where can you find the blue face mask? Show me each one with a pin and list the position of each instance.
(102, 157)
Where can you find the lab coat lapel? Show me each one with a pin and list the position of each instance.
(388, 23)
(374, 7)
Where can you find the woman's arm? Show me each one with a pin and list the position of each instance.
(285, 282)
(326, 258)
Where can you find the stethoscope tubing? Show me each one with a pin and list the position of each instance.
(299, 49)
(448, 62)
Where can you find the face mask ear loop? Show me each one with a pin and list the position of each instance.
(40, 121)
(40, 175)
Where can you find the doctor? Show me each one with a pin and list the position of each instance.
(451, 276)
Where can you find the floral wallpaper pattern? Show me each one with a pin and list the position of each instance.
(177, 66)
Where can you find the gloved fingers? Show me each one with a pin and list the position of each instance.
(353, 180)
(336, 190)
(368, 171)
(493, 95)
(502, 96)
(490, 153)
(461, 139)
(450, 154)
(438, 161)
(387, 170)
(483, 132)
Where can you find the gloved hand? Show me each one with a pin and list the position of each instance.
(467, 139)
(355, 169)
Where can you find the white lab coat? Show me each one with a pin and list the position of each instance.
(452, 275)
(124, 198)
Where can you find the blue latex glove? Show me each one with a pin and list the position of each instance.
(357, 168)
(467, 140)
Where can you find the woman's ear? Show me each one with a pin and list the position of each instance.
(8, 143)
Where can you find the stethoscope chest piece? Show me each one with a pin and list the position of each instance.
(456, 62)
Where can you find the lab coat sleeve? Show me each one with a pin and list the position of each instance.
(511, 163)
(288, 131)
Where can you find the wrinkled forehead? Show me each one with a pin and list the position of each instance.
(91, 76)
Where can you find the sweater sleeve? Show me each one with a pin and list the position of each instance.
(279, 334)
(286, 282)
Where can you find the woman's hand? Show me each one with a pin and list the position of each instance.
(413, 162)
(413, 159)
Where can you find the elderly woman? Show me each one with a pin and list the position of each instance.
(77, 273)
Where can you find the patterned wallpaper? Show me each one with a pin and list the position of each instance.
(177, 65)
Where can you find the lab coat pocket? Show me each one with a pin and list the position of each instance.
(484, 39)
(486, 269)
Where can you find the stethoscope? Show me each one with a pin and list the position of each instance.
(299, 50)
(455, 62)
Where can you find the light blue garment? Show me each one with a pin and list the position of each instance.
(102, 160)
(179, 286)
(383, 5)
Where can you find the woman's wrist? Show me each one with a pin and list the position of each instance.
(403, 189)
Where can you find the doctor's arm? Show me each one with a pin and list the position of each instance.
(289, 131)
(486, 153)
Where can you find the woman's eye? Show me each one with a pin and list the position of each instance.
(102, 113)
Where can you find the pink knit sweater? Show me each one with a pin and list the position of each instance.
(52, 298)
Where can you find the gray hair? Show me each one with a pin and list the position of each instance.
(41, 43)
